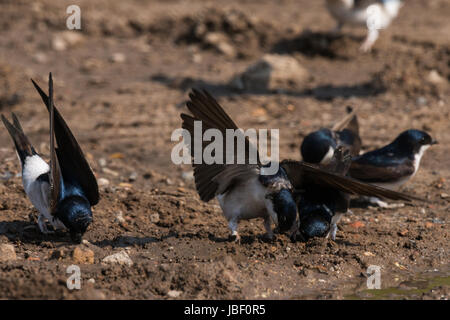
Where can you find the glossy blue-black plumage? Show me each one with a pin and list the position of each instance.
(282, 199)
(316, 145)
(284, 206)
(406, 145)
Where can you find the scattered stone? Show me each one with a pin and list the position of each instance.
(357, 224)
(83, 256)
(421, 101)
(120, 258)
(34, 259)
(444, 195)
(66, 39)
(219, 41)
(40, 57)
(272, 72)
(369, 254)
(154, 218)
(117, 155)
(435, 78)
(133, 176)
(102, 162)
(102, 182)
(174, 293)
(118, 57)
(7, 253)
(403, 232)
(429, 225)
(110, 172)
(125, 185)
(91, 280)
(119, 218)
(188, 176)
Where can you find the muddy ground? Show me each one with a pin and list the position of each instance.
(121, 84)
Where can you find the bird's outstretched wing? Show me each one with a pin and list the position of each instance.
(71, 159)
(55, 171)
(214, 179)
(302, 174)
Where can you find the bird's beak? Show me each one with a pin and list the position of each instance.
(434, 142)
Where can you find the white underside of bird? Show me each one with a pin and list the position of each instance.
(397, 184)
(247, 201)
(39, 191)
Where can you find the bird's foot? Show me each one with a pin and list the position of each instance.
(332, 232)
(268, 236)
(366, 47)
(235, 237)
(368, 43)
(43, 226)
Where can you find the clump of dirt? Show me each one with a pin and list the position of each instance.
(418, 75)
(9, 89)
(199, 280)
(232, 32)
(320, 44)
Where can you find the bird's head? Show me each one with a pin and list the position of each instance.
(282, 207)
(315, 221)
(75, 213)
(318, 146)
(415, 141)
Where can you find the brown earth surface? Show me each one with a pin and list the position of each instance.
(121, 84)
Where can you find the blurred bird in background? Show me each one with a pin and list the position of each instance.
(373, 14)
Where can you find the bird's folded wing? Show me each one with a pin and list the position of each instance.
(213, 179)
(74, 164)
(388, 173)
(301, 174)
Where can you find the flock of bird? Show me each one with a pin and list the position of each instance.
(304, 198)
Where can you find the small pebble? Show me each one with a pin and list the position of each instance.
(83, 256)
(7, 253)
(174, 293)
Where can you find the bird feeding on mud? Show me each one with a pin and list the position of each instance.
(64, 190)
(249, 190)
(373, 14)
(319, 146)
(321, 208)
(394, 164)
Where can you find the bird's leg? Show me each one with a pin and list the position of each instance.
(57, 224)
(233, 225)
(43, 225)
(385, 205)
(268, 226)
(372, 36)
(294, 231)
(332, 232)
